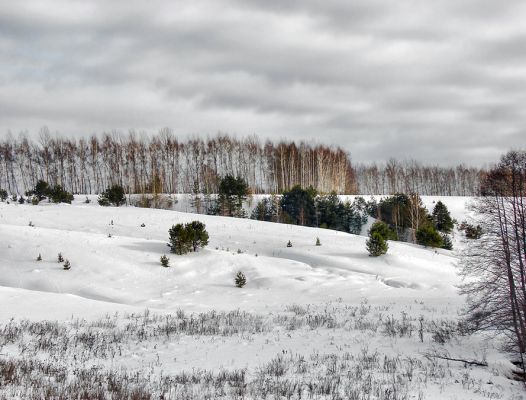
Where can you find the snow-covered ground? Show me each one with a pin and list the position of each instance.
(307, 313)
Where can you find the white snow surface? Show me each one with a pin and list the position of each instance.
(122, 274)
(124, 269)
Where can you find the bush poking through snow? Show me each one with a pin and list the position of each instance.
(143, 225)
(60, 258)
(165, 261)
(188, 237)
(39, 258)
(471, 231)
(446, 242)
(67, 265)
(240, 280)
(376, 245)
(57, 194)
(289, 244)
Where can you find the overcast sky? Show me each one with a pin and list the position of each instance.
(437, 81)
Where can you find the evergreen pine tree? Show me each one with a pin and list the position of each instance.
(67, 265)
(188, 237)
(113, 195)
(39, 258)
(428, 236)
(60, 258)
(442, 218)
(289, 244)
(318, 243)
(165, 261)
(376, 245)
(240, 279)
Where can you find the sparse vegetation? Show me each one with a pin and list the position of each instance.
(35, 351)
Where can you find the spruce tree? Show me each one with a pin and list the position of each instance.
(60, 258)
(39, 258)
(376, 245)
(240, 279)
(289, 244)
(318, 243)
(67, 265)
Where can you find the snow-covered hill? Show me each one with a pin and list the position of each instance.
(125, 268)
(115, 268)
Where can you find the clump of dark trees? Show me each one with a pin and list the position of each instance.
(404, 217)
(55, 194)
(305, 207)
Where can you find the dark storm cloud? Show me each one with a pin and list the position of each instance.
(439, 81)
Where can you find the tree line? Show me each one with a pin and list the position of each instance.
(165, 163)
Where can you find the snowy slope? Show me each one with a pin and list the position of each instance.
(125, 268)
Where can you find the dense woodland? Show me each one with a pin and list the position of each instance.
(163, 162)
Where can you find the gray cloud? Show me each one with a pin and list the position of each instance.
(438, 81)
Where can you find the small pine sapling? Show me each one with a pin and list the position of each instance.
(289, 244)
(67, 265)
(143, 225)
(240, 280)
(318, 243)
(165, 261)
(31, 224)
(376, 245)
(39, 258)
(60, 258)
